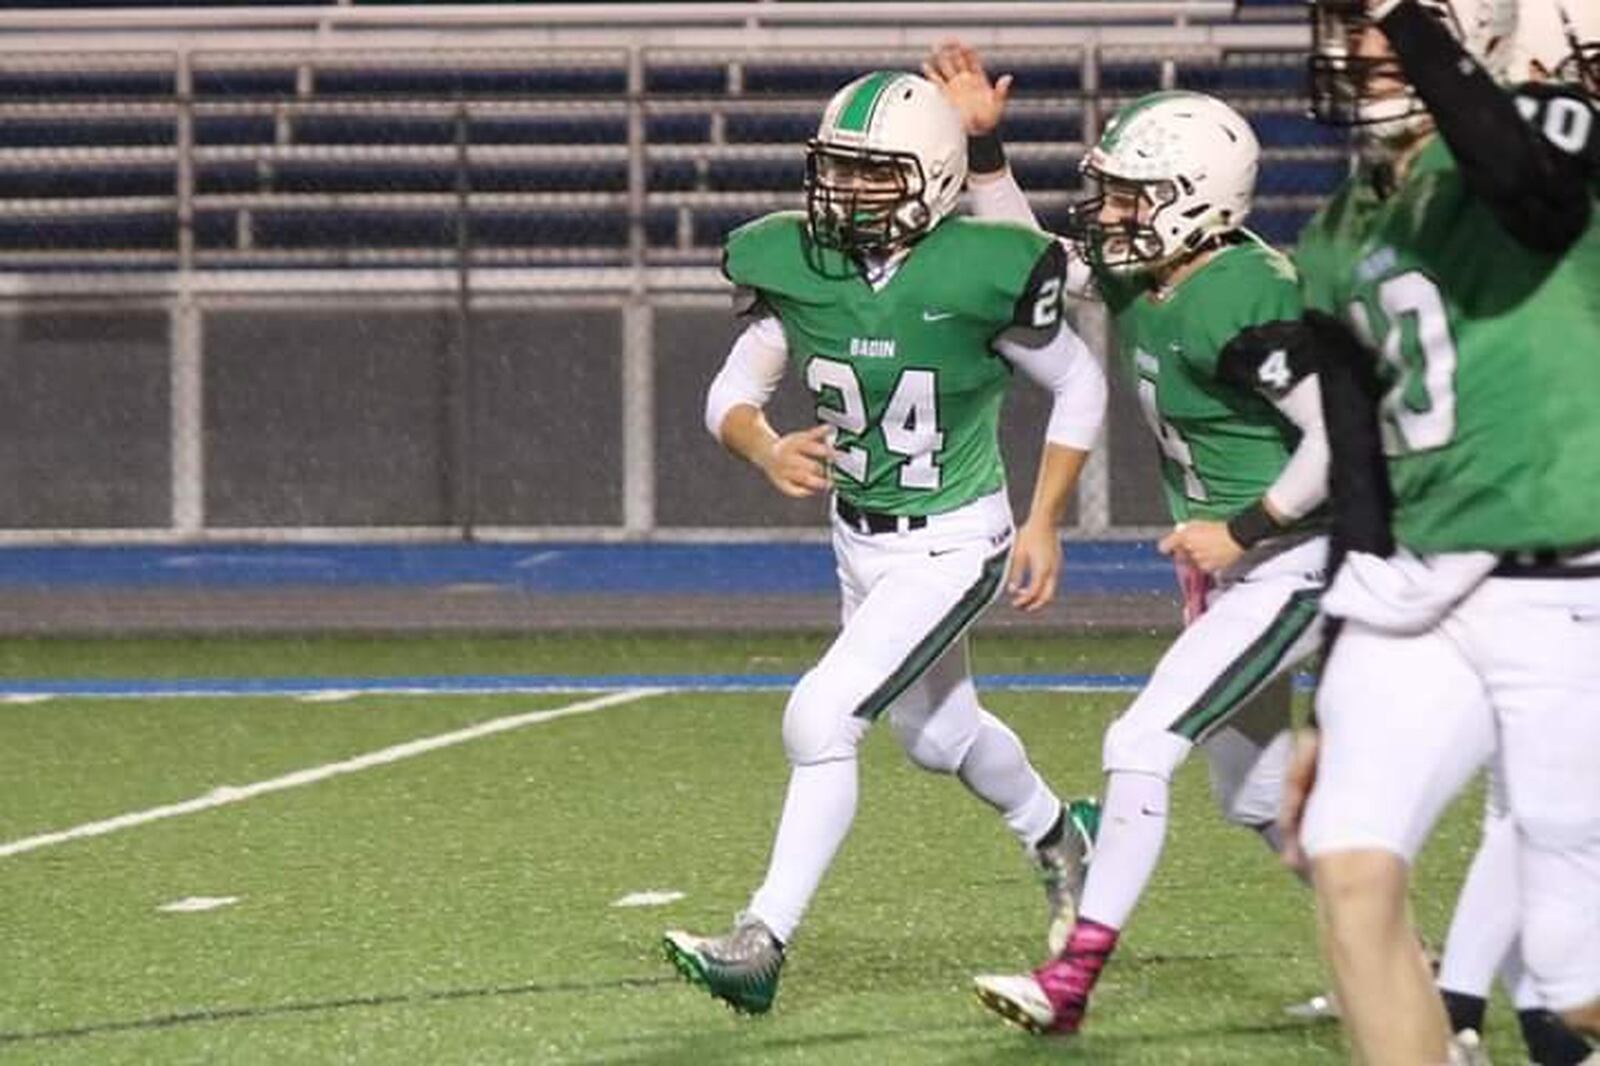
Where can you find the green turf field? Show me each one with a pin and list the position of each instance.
(458, 906)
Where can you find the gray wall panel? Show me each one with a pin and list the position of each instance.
(84, 420)
(548, 417)
(697, 482)
(326, 417)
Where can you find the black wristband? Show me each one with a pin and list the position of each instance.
(985, 153)
(1252, 525)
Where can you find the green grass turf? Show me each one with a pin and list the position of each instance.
(553, 653)
(456, 908)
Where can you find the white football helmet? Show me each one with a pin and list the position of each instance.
(1354, 86)
(887, 164)
(1173, 170)
(1557, 40)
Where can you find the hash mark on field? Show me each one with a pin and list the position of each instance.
(235, 794)
(195, 904)
(649, 898)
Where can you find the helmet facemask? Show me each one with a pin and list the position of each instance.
(1120, 223)
(1352, 83)
(865, 202)
(1582, 67)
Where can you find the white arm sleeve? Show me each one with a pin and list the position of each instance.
(1001, 198)
(1074, 376)
(1303, 482)
(751, 374)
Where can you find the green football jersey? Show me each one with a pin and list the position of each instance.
(1490, 362)
(1325, 241)
(906, 372)
(1222, 441)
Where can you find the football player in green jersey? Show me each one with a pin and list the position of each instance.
(1483, 939)
(1208, 327)
(1466, 261)
(907, 326)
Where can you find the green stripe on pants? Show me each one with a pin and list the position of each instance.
(939, 638)
(1251, 669)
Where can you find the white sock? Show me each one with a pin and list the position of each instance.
(996, 769)
(817, 814)
(1133, 827)
(1483, 931)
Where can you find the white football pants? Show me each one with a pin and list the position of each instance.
(1512, 673)
(909, 597)
(1213, 687)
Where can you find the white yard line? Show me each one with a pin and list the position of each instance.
(226, 794)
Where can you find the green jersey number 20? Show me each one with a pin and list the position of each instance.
(910, 420)
(1419, 409)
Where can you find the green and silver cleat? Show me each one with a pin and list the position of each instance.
(740, 968)
(1064, 865)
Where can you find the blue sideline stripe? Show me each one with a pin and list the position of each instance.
(142, 688)
(556, 568)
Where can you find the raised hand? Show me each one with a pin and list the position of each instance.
(958, 70)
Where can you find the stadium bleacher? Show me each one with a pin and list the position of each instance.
(297, 157)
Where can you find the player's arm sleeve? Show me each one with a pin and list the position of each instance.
(750, 374)
(996, 195)
(1066, 367)
(1279, 361)
(1039, 342)
(1359, 492)
(1302, 485)
(1539, 193)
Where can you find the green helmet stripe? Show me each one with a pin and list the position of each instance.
(858, 112)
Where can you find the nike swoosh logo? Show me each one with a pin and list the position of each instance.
(937, 316)
(942, 551)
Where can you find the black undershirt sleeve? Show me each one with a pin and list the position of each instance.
(1036, 316)
(1270, 358)
(1539, 194)
(1361, 500)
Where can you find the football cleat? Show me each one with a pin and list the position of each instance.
(1018, 999)
(1052, 999)
(1466, 1049)
(1064, 865)
(1315, 1009)
(740, 968)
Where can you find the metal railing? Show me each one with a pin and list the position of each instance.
(663, 258)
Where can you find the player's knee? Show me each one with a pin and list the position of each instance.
(1134, 747)
(934, 744)
(819, 724)
(1361, 894)
(1559, 945)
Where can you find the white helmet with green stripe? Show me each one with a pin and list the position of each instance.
(887, 164)
(1174, 170)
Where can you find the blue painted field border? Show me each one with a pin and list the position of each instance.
(498, 684)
